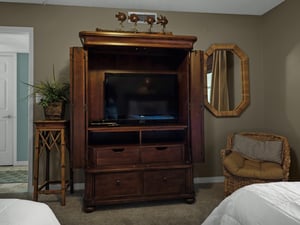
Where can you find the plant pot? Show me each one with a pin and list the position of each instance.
(55, 111)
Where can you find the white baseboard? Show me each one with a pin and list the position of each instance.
(21, 163)
(201, 180)
(78, 186)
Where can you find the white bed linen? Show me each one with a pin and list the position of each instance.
(25, 212)
(275, 203)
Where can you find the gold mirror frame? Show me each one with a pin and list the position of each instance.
(244, 70)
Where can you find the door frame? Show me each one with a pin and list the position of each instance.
(27, 31)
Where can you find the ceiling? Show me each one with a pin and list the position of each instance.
(241, 7)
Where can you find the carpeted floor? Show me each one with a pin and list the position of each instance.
(208, 196)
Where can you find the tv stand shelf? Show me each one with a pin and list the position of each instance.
(136, 128)
(139, 162)
(137, 134)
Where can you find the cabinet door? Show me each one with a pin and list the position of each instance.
(196, 107)
(77, 106)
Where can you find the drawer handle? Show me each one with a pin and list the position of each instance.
(165, 179)
(118, 182)
(118, 149)
(161, 148)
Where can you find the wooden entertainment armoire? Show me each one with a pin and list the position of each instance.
(142, 162)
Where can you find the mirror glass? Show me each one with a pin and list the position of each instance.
(226, 80)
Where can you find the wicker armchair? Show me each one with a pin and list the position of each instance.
(234, 181)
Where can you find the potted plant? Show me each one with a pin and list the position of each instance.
(54, 95)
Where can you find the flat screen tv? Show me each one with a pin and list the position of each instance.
(140, 98)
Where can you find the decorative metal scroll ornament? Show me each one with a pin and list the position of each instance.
(121, 17)
(162, 20)
(150, 20)
(134, 19)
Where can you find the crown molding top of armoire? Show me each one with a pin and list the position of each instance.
(136, 39)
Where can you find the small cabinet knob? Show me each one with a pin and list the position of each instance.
(118, 182)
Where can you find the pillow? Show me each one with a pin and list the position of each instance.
(259, 150)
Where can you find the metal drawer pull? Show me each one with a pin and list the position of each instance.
(118, 182)
(118, 149)
(161, 148)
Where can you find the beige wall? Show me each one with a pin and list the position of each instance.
(281, 70)
(56, 29)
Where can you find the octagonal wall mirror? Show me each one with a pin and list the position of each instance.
(226, 80)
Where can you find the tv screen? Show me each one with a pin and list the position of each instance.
(140, 97)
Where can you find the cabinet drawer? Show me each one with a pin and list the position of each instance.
(123, 184)
(104, 156)
(162, 153)
(164, 181)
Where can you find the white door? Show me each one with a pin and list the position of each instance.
(7, 107)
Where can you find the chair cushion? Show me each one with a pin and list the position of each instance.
(240, 166)
(255, 149)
